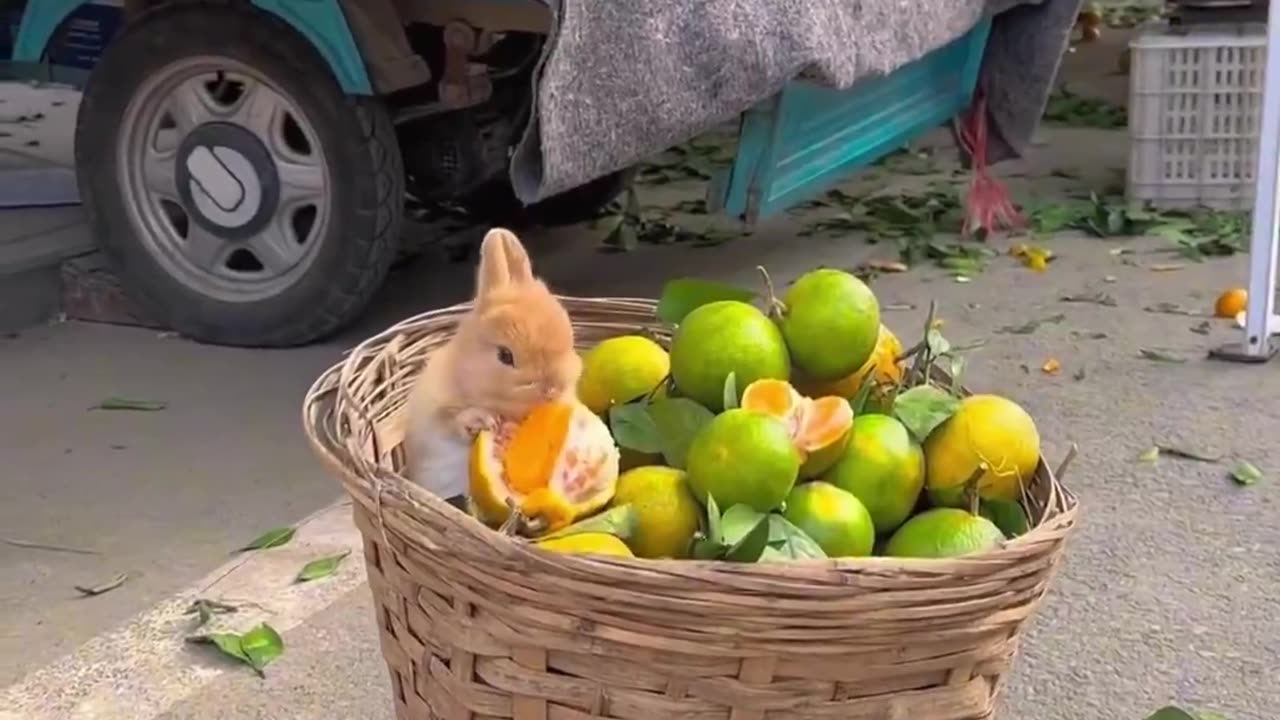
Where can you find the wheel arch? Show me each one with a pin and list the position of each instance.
(321, 22)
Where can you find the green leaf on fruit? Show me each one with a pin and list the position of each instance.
(709, 545)
(731, 391)
(923, 408)
(321, 568)
(788, 542)
(683, 295)
(618, 521)
(1008, 516)
(745, 533)
(677, 420)
(633, 428)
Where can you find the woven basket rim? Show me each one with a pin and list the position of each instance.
(374, 486)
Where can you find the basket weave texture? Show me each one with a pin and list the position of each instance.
(479, 626)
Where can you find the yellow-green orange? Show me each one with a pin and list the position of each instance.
(725, 337)
(743, 457)
(835, 519)
(621, 369)
(831, 323)
(587, 544)
(667, 515)
(984, 429)
(943, 533)
(883, 467)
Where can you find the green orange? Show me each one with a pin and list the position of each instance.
(725, 337)
(835, 519)
(743, 457)
(883, 467)
(831, 323)
(944, 533)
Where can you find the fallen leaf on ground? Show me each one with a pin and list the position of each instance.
(1245, 473)
(1150, 455)
(256, 648)
(1032, 325)
(1202, 328)
(46, 546)
(105, 587)
(897, 306)
(1168, 308)
(1159, 356)
(1166, 267)
(886, 266)
(1188, 454)
(1051, 366)
(119, 403)
(270, 539)
(321, 568)
(1098, 298)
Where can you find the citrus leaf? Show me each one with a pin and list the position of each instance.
(715, 532)
(1008, 516)
(270, 539)
(677, 421)
(619, 522)
(788, 542)
(228, 643)
(1245, 473)
(924, 408)
(706, 549)
(321, 568)
(683, 295)
(1171, 713)
(731, 390)
(261, 645)
(633, 428)
(746, 532)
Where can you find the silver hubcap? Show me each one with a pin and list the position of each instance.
(224, 179)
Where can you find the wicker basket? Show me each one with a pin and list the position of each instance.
(476, 625)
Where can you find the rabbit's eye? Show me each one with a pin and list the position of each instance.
(505, 357)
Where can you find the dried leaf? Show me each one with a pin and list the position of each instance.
(886, 266)
(1201, 329)
(1188, 454)
(1032, 325)
(119, 403)
(1051, 367)
(1166, 267)
(1168, 308)
(106, 587)
(1245, 473)
(1094, 298)
(1150, 455)
(270, 539)
(321, 568)
(1159, 356)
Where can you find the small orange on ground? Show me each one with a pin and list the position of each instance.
(1231, 303)
(819, 427)
(558, 464)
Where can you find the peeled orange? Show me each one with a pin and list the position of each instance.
(819, 427)
(557, 465)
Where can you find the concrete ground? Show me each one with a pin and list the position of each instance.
(1170, 590)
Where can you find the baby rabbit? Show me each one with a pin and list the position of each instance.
(512, 351)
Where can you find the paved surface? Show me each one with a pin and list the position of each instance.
(1171, 589)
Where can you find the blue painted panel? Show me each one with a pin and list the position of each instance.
(320, 21)
(805, 139)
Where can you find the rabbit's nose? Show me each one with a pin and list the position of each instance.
(551, 392)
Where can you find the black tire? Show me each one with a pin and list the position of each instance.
(496, 203)
(365, 177)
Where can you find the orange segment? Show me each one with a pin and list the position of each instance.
(530, 456)
(819, 428)
(771, 397)
(824, 422)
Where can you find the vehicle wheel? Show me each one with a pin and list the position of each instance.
(241, 195)
(497, 202)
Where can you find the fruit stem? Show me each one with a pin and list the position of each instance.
(971, 497)
(648, 398)
(776, 307)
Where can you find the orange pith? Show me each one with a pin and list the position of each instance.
(814, 424)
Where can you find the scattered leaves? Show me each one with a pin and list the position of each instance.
(1245, 473)
(1159, 356)
(1097, 298)
(106, 587)
(1067, 108)
(270, 539)
(120, 403)
(1032, 325)
(1168, 308)
(684, 295)
(321, 567)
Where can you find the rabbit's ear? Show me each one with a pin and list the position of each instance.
(495, 270)
(519, 267)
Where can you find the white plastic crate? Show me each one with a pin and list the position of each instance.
(1195, 101)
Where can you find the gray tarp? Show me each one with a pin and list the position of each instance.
(620, 80)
